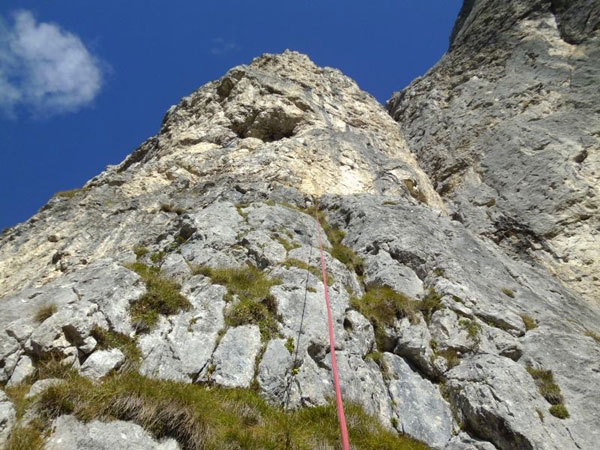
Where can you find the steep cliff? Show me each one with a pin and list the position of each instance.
(192, 268)
(507, 127)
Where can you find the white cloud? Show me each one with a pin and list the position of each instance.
(222, 47)
(45, 69)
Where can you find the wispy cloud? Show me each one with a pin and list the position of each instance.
(220, 46)
(44, 69)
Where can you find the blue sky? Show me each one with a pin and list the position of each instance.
(83, 83)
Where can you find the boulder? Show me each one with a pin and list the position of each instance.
(101, 362)
(70, 434)
(233, 360)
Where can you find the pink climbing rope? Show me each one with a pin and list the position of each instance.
(336, 377)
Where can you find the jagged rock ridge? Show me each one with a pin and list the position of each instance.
(230, 181)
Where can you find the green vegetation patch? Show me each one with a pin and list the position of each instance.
(339, 251)
(51, 366)
(449, 354)
(431, 303)
(529, 322)
(255, 303)
(289, 345)
(215, 418)
(28, 437)
(342, 253)
(70, 193)
(472, 328)
(45, 312)
(140, 251)
(288, 245)
(107, 339)
(559, 411)
(162, 297)
(508, 292)
(247, 282)
(262, 313)
(382, 305)
(376, 357)
(544, 379)
(294, 262)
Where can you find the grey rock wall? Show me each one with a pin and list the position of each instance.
(507, 127)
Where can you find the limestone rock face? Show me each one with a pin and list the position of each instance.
(279, 120)
(507, 127)
(70, 434)
(441, 333)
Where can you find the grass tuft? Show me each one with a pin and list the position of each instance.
(342, 253)
(294, 262)
(52, 366)
(559, 411)
(140, 251)
(69, 193)
(544, 379)
(508, 292)
(431, 303)
(472, 327)
(530, 323)
(289, 345)
(339, 251)
(382, 306)
(288, 245)
(45, 312)
(261, 313)
(162, 297)
(25, 437)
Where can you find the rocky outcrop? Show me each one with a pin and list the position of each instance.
(70, 434)
(506, 126)
(196, 261)
(281, 120)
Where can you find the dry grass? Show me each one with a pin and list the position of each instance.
(45, 312)
(201, 418)
(530, 323)
(25, 438)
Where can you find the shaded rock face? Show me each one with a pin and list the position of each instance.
(507, 127)
(232, 181)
